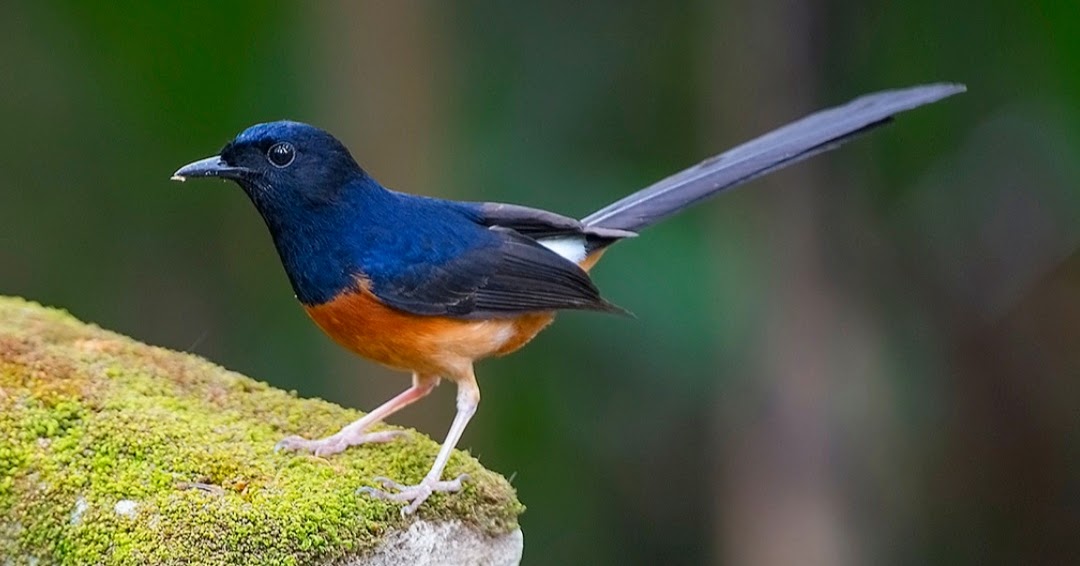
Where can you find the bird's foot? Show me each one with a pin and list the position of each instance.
(335, 443)
(415, 495)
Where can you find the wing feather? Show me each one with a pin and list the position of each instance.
(514, 275)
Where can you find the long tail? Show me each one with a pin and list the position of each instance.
(790, 144)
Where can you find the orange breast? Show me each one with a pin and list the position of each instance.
(427, 344)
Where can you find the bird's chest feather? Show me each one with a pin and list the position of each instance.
(429, 344)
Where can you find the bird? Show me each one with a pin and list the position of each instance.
(431, 286)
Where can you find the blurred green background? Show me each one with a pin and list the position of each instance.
(870, 358)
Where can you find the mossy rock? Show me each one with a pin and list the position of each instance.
(115, 452)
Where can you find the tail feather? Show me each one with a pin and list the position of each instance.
(814, 134)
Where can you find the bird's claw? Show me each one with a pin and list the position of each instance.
(415, 495)
(291, 444)
(388, 483)
(333, 444)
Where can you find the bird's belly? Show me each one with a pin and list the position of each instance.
(428, 344)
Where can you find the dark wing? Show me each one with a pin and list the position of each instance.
(510, 275)
(538, 224)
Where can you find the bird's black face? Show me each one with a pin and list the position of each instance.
(282, 166)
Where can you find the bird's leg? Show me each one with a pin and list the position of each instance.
(468, 398)
(354, 434)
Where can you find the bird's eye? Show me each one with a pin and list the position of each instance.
(281, 154)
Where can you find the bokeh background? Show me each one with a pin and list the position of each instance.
(870, 358)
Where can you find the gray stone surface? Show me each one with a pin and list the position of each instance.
(445, 544)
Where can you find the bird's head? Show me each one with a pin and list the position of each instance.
(281, 166)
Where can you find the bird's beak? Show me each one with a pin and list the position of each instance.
(209, 167)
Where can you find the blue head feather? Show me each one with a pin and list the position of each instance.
(333, 224)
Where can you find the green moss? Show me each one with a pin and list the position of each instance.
(93, 423)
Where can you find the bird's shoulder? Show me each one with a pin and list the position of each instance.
(472, 260)
(410, 234)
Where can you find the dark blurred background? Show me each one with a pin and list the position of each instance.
(870, 358)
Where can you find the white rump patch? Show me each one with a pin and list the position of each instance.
(570, 247)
